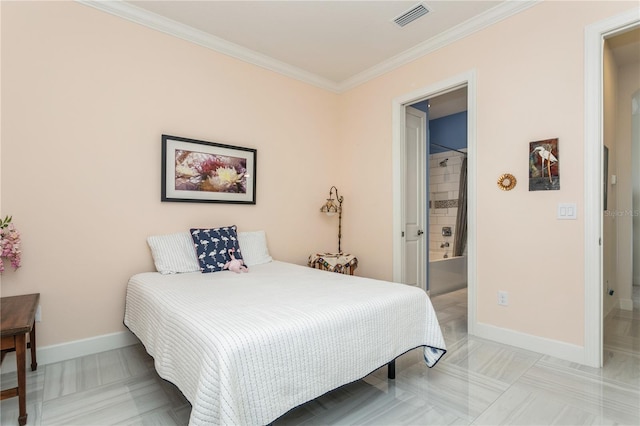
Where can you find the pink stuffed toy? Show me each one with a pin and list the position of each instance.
(235, 265)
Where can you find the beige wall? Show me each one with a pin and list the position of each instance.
(530, 86)
(85, 97)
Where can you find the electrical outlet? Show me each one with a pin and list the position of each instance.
(609, 289)
(503, 298)
(38, 314)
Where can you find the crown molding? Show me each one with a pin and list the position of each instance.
(168, 26)
(494, 15)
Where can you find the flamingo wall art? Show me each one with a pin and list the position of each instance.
(544, 162)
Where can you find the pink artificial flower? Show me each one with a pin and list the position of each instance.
(9, 244)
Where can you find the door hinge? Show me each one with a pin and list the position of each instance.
(402, 234)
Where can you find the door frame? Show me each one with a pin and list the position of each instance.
(467, 79)
(593, 213)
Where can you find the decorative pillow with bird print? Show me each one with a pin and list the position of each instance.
(212, 246)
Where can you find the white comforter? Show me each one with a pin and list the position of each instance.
(246, 348)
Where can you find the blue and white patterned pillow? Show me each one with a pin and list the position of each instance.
(212, 247)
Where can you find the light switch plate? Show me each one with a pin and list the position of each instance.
(567, 211)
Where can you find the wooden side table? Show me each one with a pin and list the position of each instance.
(18, 318)
(334, 262)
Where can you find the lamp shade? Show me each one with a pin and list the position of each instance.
(330, 207)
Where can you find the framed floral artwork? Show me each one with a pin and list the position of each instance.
(207, 172)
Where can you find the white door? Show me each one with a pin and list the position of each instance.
(415, 198)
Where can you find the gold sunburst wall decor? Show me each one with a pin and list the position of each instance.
(507, 182)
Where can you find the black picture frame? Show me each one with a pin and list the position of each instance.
(199, 171)
(544, 165)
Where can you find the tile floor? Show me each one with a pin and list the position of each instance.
(477, 383)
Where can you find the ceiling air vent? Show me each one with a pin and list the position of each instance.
(411, 15)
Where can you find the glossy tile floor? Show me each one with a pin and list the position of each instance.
(478, 382)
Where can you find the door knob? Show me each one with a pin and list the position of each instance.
(420, 232)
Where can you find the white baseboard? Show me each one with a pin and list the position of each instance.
(70, 350)
(626, 304)
(532, 343)
(77, 348)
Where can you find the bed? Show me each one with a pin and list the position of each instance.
(246, 348)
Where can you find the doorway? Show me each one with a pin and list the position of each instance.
(444, 187)
(400, 273)
(621, 93)
(595, 284)
(621, 71)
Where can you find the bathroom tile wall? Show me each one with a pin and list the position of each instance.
(444, 182)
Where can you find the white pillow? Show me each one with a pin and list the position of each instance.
(173, 253)
(253, 246)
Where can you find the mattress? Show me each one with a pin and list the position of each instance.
(246, 348)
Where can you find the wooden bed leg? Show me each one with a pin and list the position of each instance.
(391, 370)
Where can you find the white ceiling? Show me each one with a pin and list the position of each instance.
(333, 39)
(332, 44)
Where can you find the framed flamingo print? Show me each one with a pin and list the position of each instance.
(207, 172)
(544, 163)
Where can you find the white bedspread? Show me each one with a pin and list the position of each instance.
(246, 348)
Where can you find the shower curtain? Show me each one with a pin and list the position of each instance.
(460, 240)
